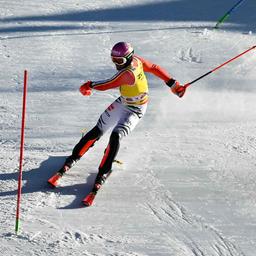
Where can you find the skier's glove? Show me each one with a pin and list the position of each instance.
(176, 88)
(85, 89)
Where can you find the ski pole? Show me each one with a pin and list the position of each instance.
(21, 151)
(220, 66)
(227, 14)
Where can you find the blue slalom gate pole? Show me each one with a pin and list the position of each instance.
(227, 14)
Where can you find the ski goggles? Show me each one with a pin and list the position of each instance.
(119, 60)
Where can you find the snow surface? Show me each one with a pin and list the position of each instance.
(187, 186)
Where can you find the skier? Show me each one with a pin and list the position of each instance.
(123, 114)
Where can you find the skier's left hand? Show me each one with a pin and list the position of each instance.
(85, 89)
(180, 91)
(176, 88)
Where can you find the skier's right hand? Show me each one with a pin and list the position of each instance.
(85, 89)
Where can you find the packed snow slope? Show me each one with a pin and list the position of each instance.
(187, 186)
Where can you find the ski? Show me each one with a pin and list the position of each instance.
(89, 199)
(54, 180)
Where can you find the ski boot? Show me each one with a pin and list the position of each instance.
(100, 180)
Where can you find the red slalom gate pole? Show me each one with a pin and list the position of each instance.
(21, 151)
(220, 66)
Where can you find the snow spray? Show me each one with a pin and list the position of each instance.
(220, 66)
(21, 151)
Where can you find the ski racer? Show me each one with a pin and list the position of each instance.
(124, 113)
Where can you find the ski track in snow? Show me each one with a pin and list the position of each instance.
(187, 187)
(177, 219)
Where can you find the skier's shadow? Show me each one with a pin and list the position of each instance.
(35, 180)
